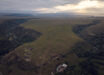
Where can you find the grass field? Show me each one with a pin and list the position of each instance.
(57, 39)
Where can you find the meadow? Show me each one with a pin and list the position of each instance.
(57, 39)
(57, 44)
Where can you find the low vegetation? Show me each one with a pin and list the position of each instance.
(47, 43)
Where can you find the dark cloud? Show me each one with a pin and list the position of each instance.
(75, 6)
(32, 4)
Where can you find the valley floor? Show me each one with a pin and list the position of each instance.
(48, 43)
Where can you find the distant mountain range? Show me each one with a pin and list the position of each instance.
(20, 15)
(35, 14)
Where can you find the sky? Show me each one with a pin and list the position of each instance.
(84, 7)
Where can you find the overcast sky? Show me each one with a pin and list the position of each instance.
(92, 7)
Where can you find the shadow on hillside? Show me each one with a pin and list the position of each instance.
(13, 35)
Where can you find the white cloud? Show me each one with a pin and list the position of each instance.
(55, 6)
(32, 4)
(82, 7)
